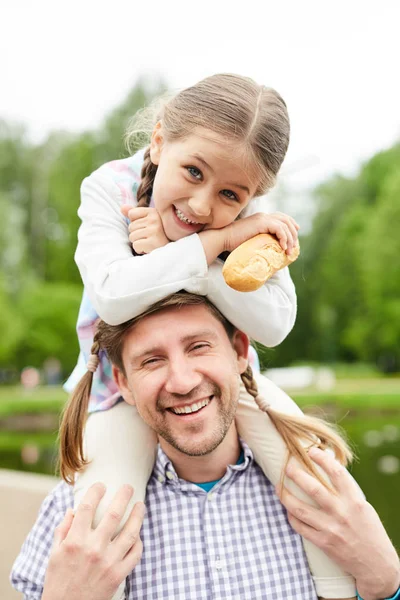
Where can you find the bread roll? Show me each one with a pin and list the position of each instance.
(249, 266)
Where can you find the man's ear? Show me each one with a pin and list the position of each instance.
(156, 144)
(122, 382)
(240, 343)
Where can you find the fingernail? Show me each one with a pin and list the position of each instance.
(313, 451)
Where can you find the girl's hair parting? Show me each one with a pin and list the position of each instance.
(298, 432)
(245, 113)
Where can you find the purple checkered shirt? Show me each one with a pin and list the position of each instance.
(233, 542)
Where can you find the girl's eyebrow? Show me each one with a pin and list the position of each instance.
(200, 159)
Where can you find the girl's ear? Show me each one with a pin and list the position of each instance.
(122, 383)
(240, 343)
(156, 143)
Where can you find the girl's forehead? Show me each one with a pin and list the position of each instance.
(217, 152)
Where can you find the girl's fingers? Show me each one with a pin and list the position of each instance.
(85, 512)
(129, 536)
(135, 213)
(108, 525)
(61, 532)
(141, 223)
(292, 237)
(137, 236)
(281, 233)
(287, 219)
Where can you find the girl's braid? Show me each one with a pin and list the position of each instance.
(252, 388)
(94, 358)
(148, 173)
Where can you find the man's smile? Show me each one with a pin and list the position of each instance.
(192, 408)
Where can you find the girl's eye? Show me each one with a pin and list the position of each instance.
(195, 172)
(229, 194)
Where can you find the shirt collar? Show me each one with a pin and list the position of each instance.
(165, 473)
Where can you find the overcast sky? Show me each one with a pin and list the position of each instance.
(336, 63)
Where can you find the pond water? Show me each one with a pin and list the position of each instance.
(376, 442)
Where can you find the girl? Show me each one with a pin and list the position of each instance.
(215, 147)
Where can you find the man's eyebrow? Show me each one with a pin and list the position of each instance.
(200, 159)
(204, 333)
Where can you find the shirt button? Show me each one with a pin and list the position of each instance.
(219, 565)
(210, 496)
(170, 475)
(160, 478)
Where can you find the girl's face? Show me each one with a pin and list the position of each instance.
(202, 182)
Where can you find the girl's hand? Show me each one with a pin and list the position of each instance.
(284, 227)
(146, 232)
(90, 564)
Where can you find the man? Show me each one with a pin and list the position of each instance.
(224, 536)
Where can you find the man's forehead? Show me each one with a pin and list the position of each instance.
(173, 324)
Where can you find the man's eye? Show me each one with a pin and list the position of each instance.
(151, 361)
(195, 172)
(229, 194)
(200, 346)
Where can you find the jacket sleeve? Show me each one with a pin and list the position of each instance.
(266, 315)
(119, 284)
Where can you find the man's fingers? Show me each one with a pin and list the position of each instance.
(129, 536)
(107, 527)
(307, 532)
(337, 473)
(84, 514)
(311, 486)
(61, 532)
(132, 558)
(305, 513)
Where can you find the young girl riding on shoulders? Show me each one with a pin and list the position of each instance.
(156, 223)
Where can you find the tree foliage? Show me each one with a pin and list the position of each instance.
(347, 278)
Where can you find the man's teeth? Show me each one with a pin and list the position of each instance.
(182, 217)
(190, 409)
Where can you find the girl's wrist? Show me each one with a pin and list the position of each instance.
(213, 241)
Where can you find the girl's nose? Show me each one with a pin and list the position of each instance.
(200, 205)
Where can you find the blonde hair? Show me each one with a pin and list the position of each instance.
(233, 106)
(298, 432)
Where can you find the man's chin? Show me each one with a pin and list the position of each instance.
(193, 448)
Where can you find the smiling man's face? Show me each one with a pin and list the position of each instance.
(183, 376)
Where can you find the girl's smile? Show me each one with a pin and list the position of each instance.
(185, 221)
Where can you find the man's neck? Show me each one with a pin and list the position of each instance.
(210, 467)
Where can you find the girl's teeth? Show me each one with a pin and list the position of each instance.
(182, 217)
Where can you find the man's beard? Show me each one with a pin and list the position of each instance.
(226, 413)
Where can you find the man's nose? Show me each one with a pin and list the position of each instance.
(182, 378)
(201, 204)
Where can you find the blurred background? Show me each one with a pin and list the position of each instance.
(71, 76)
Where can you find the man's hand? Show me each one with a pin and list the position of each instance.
(86, 563)
(146, 232)
(345, 526)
